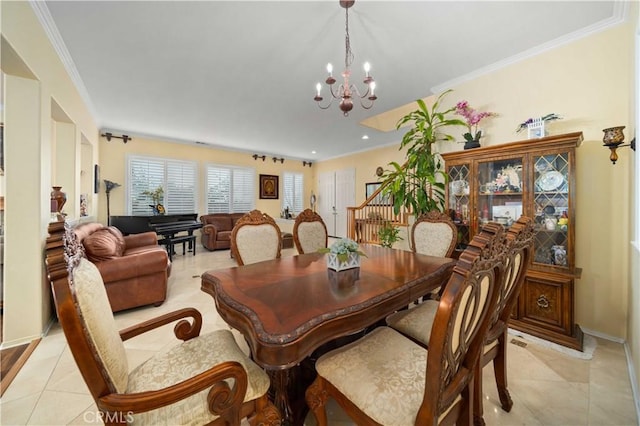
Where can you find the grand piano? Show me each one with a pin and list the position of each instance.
(138, 224)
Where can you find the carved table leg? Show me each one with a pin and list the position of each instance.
(279, 393)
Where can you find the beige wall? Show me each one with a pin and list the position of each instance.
(113, 165)
(633, 320)
(34, 78)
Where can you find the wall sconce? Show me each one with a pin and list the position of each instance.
(256, 156)
(109, 136)
(613, 139)
(275, 159)
(306, 163)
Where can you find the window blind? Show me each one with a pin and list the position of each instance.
(293, 192)
(230, 189)
(177, 179)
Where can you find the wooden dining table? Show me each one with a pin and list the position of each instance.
(287, 308)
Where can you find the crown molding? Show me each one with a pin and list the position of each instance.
(620, 13)
(51, 30)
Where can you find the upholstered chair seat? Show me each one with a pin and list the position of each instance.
(415, 322)
(383, 366)
(187, 360)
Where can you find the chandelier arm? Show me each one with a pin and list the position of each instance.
(339, 93)
(327, 106)
(362, 104)
(354, 88)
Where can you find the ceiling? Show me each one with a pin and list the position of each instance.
(242, 74)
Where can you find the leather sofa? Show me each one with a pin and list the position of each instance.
(216, 229)
(134, 268)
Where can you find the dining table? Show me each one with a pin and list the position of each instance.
(289, 307)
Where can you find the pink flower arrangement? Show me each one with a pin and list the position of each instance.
(472, 118)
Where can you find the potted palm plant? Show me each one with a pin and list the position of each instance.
(419, 184)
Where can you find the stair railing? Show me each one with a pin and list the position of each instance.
(364, 221)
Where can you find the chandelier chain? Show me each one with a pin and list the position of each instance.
(348, 54)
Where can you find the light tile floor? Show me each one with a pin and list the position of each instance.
(547, 387)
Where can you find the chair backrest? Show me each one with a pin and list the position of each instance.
(255, 238)
(309, 232)
(460, 325)
(519, 249)
(434, 234)
(84, 313)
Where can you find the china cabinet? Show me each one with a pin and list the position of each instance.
(534, 177)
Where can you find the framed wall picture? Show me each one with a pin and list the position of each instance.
(269, 187)
(380, 200)
(96, 179)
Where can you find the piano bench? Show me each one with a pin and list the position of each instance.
(170, 242)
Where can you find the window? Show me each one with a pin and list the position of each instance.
(177, 179)
(293, 190)
(230, 189)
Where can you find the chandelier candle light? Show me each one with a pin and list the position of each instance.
(346, 91)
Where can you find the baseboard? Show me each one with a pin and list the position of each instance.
(634, 380)
(603, 335)
(18, 342)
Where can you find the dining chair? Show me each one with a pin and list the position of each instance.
(387, 379)
(417, 321)
(434, 234)
(205, 379)
(309, 232)
(519, 252)
(255, 237)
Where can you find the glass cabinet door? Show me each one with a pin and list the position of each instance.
(459, 203)
(499, 191)
(551, 203)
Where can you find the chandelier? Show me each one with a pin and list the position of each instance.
(346, 91)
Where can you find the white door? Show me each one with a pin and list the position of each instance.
(336, 192)
(345, 197)
(326, 197)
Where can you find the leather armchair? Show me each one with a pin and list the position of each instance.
(216, 229)
(135, 269)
